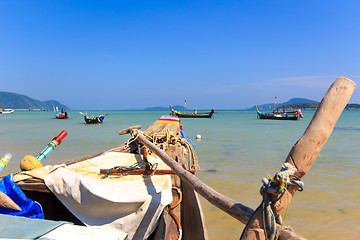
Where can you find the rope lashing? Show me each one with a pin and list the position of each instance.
(165, 138)
(277, 185)
(138, 165)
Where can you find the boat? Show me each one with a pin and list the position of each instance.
(287, 115)
(5, 111)
(289, 112)
(93, 120)
(191, 115)
(113, 199)
(61, 114)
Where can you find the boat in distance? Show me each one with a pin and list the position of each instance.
(191, 115)
(93, 120)
(6, 111)
(276, 115)
(60, 114)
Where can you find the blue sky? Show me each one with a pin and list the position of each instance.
(216, 54)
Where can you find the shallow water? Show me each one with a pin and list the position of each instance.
(236, 151)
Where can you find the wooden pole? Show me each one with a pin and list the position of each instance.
(306, 149)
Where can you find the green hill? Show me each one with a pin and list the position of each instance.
(18, 101)
(304, 103)
(296, 103)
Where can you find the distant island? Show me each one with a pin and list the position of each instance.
(176, 108)
(296, 103)
(18, 101)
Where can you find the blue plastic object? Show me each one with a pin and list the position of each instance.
(29, 208)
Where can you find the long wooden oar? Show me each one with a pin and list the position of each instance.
(228, 205)
(306, 149)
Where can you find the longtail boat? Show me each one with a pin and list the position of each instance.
(191, 115)
(91, 191)
(287, 115)
(61, 114)
(93, 120)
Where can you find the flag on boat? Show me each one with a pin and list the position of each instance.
(185, 103)
(168, 120)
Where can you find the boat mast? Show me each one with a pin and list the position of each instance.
(275, 103)
(184, 104)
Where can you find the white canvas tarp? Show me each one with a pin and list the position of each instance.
(128, 204)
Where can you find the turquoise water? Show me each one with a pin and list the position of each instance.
(236, 151)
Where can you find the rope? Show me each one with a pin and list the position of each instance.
(170, 208)
(286, 211)
(165, 138)
(138, 165)
(278, 184)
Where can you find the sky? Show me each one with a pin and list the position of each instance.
(217, 54)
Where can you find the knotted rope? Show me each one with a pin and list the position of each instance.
(278, 185)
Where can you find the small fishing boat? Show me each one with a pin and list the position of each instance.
(93, 120)
(4, 111)
(191, 115)
(286, 115)
(61, 114)
(126, 190)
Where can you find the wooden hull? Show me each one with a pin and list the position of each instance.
(277, 116)
(191, 115)
(188, 212)
(92, 120)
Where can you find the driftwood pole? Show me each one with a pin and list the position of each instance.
(304, 152)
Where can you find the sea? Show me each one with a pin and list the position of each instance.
(235, 152)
